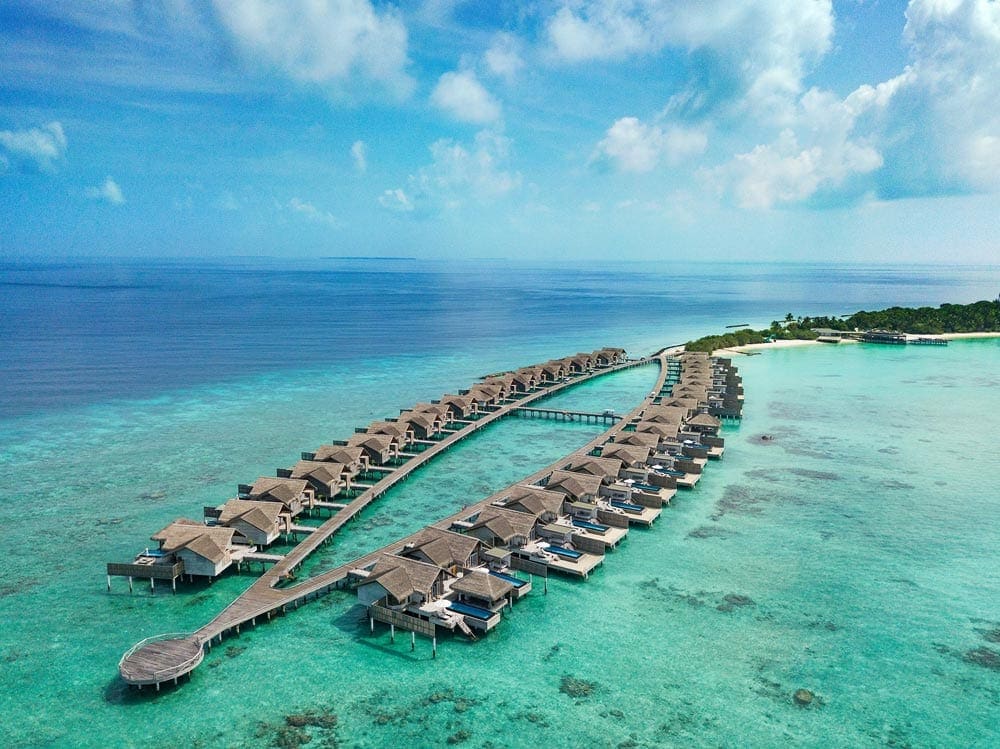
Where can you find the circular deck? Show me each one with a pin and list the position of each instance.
(159, 659)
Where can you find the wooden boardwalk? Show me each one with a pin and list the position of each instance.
(264, 597)
(563, 415)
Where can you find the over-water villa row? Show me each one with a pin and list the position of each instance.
(458, 573)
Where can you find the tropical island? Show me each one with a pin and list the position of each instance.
(977, 317)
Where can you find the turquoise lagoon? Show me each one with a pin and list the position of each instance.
(856, 554)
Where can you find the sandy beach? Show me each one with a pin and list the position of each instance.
(781, 343)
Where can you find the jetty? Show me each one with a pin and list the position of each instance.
(572, 543)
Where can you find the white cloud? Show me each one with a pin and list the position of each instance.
(396, 200)
(822, 153)
(109, 192)
(767, 45)
(457, 168)
(463, 96)
(360, 155)
(40, 146)
(322, 42)
(946, 104)
(633, 146)
(312, 213)
(457, 173)
(503, 58)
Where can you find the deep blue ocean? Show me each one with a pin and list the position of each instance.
(85, 332)
(856, 554)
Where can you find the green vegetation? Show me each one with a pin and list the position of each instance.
(948, 318)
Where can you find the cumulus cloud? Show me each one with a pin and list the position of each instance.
(941, 115)
(934, 129)
(312, 213)
(109, 192)
(396, 200)
(458, 172)
(632, 146)
(503, 58)
(464, 98)
(39, 147)
(360, 155)
(322, 42)
(765, 45)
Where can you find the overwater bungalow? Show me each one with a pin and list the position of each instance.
(608, 469)
(254, 523)
(481, 596)
(454, 552)
(425, 425)
(704, 424)
(576, 487)
(499, 526)
(581, 363)
(554, 370)
(688, 405)
(443, 411)
(397, 582)
(204, 550)
(663, 431)
(607, 357)
(544, 505)
(632, 456)
(354, 459)
(501, 385)
(293, 494)
(487, 397)
(464, 406)
(664, 414)
(326, 478)
(380, 448)
(641, 439)
(400, 432)
(525, 380)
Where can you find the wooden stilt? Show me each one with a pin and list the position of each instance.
(392, 632)
(413, 641)
(109, 583)
(434, 647)
(130, 584)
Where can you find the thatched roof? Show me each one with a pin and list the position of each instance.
(339, 454)
(573, 484)
(606, 468)
(375, 442)
(534, 500)
(512, 522)
(427, 421)
(482, 584)
(439, 409)
(327, 474)
(704, 420)
(210, 542)
(687, 404)
(653, 427)
(401, 576)
(628, 454)
(442, 547)
(665, 414)
(260, 515)
(397, 429)
(644, 439)
(285, 491)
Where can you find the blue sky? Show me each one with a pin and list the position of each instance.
(857, 130)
